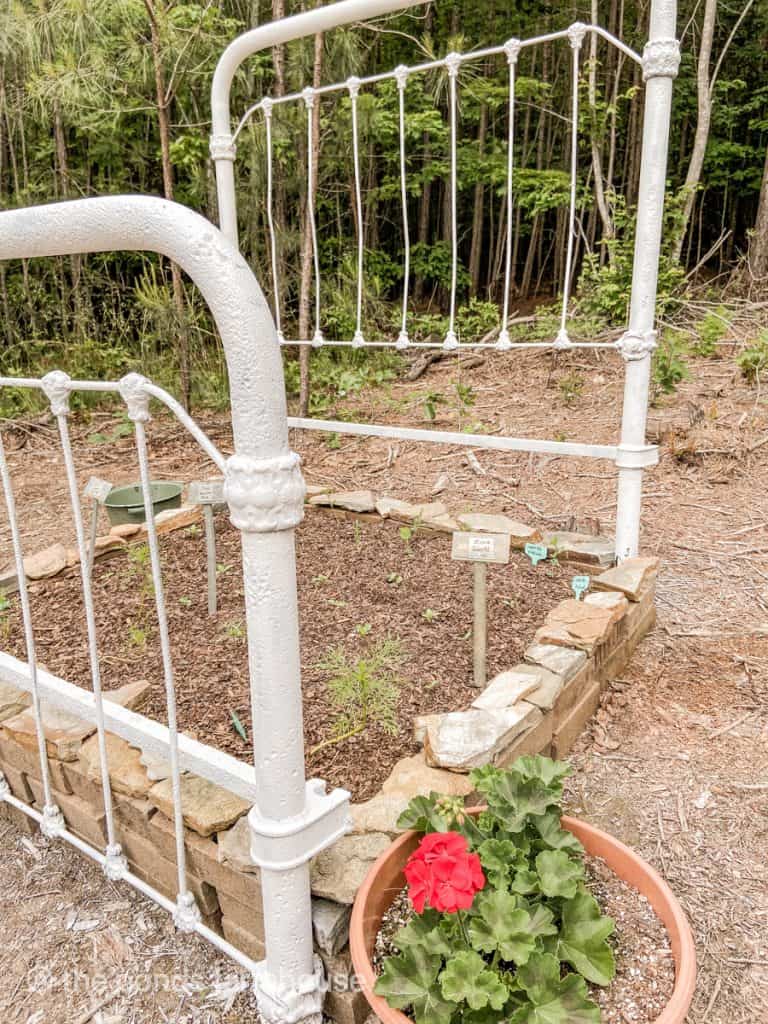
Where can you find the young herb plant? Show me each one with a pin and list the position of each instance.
(364, 691)
(504, 927)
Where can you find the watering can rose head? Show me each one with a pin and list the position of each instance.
(443, 874)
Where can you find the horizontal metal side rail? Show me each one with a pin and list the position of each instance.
(646, 456)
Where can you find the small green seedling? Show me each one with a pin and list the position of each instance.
(395, 579)
(431, 401)
(363, 628)
(222, 569)
(185, 602)
(235, 630)
(322, 578)
(137, 636)
(430, 615)
(335, 603)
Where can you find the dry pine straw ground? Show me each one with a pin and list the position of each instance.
(645, 973)
(359, 583)
(677, 766)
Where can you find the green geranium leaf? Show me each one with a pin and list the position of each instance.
(542, 921)
(543, 768)
(424, 930)
(567, 1004)
(423, 815)
(540, 978)
(558, 874)
(514, 799)
(484, 778)
(468, 978)
(498, 857)
(498, 924)
(525, 882)
(583, 935)
(554, 835)
(410, 980)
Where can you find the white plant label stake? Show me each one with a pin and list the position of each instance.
(98, 491)
(480, 549)
(209, 493)
(580, 585)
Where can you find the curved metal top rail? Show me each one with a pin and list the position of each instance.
(490, 51)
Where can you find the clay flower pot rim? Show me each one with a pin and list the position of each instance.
(385, 879)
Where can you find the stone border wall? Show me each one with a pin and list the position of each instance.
(538, 706)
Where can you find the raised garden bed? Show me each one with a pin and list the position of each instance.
(360, 582)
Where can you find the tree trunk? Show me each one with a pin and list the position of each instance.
(758, 242)
(704, 119)
(478, 217)
(307, 254)
(163, 101)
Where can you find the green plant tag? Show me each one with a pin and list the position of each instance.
(580, 585)
(536, 552)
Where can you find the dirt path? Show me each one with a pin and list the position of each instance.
(678, 763)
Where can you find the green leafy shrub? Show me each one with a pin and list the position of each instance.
(531, 936)
(709, 331)
(753, 361)
(669, 363)
(476, 319)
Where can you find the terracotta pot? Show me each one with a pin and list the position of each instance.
(385, 880)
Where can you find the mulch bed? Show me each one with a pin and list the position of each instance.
(645, 968)
(353, 574)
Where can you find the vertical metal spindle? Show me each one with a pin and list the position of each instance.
(310, 99)
(353, 84)
(56, 386)
(132, 386)
(266, 105)
(512, 50)
(53, 821)
(576, 34)
(401, 76)
(453, 63)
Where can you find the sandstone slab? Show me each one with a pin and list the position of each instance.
(520, 534)
(582, 547)
(235, 847)
(46, 563)
(394, 508)
(548, 689)
(330, 925)
(379, 814)
(127, 775)
(65, 733)
(206, 807)
(463, 740)
(507, 688)
(174, 519)
(610, 599)
(577, 624)
(629, 577)
(443, 522)
(561, 661)
(314, 489)
(350, 501)
(338, 872)
(125, 530)
(12, 701)
(9, 580)
(412, 776)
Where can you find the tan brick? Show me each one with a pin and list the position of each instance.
(344, 1002)
(18, 783)
(241, 938)
(247, 915)
(537, 740)
(161, 873)
(572, 693)
(568, 731)
(81, 818)
(27, 761)
(203, 858)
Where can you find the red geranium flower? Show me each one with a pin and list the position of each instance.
(443, 874)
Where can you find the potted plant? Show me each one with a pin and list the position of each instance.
(502, 926)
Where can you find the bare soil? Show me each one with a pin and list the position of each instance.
(359, 583)
(677, 763)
